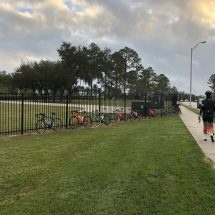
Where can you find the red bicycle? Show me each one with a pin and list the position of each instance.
(151, 113)
(120, 116)
(135, 114)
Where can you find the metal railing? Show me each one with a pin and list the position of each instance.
(17, 111)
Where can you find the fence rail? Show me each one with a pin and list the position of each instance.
(17, 111)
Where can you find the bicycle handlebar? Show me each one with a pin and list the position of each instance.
(42, 114)
(76, 111)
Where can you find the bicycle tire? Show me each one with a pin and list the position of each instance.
(57, 124)
(74, 122)
(132, 116)
(96, 120)
(173, 112)
(150, 116)
(40, 126)
(87, 121)
(106, 119)
(139, 115)
(176, 112)
(165, 113)
(161, 113)
(125, 117)
(117, 118)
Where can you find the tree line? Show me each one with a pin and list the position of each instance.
(99, 70)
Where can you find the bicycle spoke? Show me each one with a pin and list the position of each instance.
(57, 124)
(96, 121)
(106, 120)
(87, 121)
(40, 126)
(74, 122)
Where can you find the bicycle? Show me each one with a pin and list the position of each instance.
(98, 118)
(134, 114)
(79, 119)
(152, 113)
(48, 123)
(175, 110)
(163, 112)
(119, 116)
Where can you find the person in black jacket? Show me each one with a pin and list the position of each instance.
(208, 108)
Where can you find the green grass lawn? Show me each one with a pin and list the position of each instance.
(142, 167)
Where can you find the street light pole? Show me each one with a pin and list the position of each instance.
(192, 50)
(195, 94)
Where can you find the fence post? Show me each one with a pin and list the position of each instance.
(125, 105)
(67, 101)
(22, 113)
(99, 102)
(145, 105)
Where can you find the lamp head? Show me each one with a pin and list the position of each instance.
(203, 42)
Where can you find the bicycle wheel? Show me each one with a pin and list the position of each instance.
(106, 120)
(139, 115)
(161, 113)
(74, 122)
(131, 116)
(152, 115)
(117, 118)
(125, 117)
(40, 126)
(57, 124)
(87, 121)
(96, 121)
(165, 113)
(173, 112)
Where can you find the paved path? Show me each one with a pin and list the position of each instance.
(194, 104)
(190, 119)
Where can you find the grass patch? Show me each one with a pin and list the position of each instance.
(142, 167)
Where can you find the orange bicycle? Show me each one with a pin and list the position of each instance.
(79, 119)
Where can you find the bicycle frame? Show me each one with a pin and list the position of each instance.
(101, 115)
(151, 113)
(120, 114)
(80, 117)
(43, 118)
(135, 112)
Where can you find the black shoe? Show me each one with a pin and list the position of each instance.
(212, 138)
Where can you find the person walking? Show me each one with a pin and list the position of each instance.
(208, 108)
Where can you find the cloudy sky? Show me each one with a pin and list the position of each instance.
(162, 32)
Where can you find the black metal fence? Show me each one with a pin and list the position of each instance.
(17, 111)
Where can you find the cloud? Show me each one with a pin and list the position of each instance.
(161, 31)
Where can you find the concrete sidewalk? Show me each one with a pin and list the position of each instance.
(190, 119)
